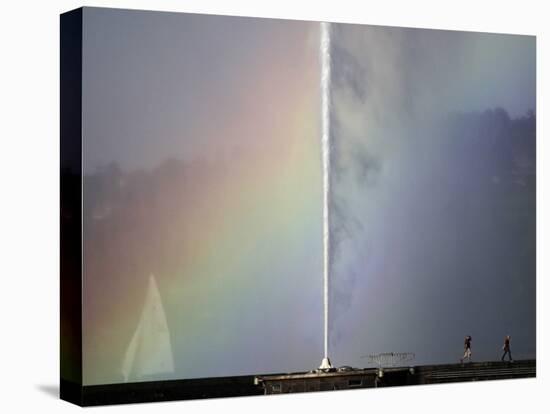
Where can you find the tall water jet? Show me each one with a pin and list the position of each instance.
(325, 146)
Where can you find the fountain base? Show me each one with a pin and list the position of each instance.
(326, 365)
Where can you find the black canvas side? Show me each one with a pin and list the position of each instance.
(71, 206)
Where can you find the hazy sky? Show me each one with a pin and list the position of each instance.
(202, 166)
(164, 85)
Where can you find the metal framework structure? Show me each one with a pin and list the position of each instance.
(390, 359)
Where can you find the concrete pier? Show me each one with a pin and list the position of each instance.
(395, 376)
(347, 378)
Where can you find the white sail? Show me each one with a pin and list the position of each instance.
(149, 351)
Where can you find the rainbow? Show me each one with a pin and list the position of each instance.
(250, 230)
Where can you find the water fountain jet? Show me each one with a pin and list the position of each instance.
(325, 146)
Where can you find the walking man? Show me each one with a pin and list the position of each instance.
(467, 349)
(506, 349)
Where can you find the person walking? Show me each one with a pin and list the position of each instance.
(506, 349)
(467, 349)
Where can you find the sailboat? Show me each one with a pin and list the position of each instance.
(149, 352)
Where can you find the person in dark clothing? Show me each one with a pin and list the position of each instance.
(467, 349)
(506, 349)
